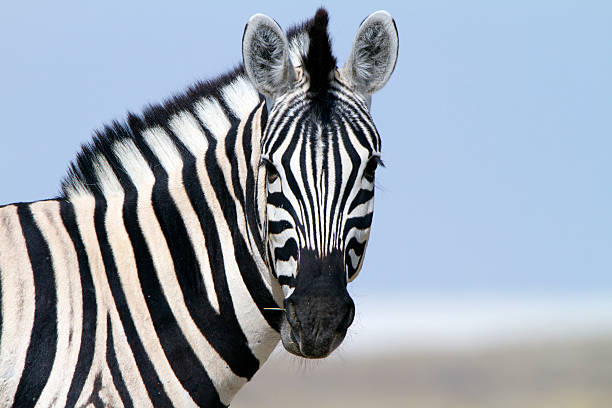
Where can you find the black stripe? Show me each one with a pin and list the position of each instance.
(354, 110)
(94, 398)
(287, 280)
(88, 294)
(308, 145)
(359, 249)
(43, 340)
(291, 178)
(363, 196)
(246, 198)
(147, 371)
(279, 200)
(232, 345)
(327, 181)
(276, 227)
(362, 222)
(355, 160)
(181, 357)
(289, 250)
(338, 173)
(277, 136)
(113, 365)
(248, 269)
(251, 177)
(353, 123)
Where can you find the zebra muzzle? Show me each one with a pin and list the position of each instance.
(315, 326)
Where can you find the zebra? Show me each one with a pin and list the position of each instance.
(188, 240)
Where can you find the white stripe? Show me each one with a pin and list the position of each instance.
(362, 209)
(169, 157)
(259, 171)
(17, 303)
(75, 188)
(331, 169)
(240, 96)
(286, 268)
(281, 239)
(287, 291)
(279, 214)
(212, 116)
(298, 46)
(354, 258)
(69, 301)
(345, 168)
(310, 185)
(275, 187)
(107, 180)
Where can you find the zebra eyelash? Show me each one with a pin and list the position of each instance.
(379, 161)
(264, 162)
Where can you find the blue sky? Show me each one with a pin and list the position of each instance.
(496, 124)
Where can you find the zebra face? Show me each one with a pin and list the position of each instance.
(320, 169)
(320, 196)
(320, 150)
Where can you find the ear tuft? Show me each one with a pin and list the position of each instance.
(265, 56)
(374, 54)
(319, 62)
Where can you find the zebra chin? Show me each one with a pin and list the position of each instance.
(319, 311)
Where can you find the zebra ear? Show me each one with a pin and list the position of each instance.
(374, 54)
(265, 55)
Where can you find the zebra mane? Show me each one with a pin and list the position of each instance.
(310, 48)
(85, 171)
(233, 93)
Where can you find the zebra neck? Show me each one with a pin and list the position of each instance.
(183, 205)
(186, 195)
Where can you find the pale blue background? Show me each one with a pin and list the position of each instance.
(496, 124)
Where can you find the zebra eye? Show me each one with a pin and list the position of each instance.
(271, 172)
(370, 168)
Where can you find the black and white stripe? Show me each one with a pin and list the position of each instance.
(155, 278)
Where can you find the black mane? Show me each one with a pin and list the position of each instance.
(82, 167)
(319, 62)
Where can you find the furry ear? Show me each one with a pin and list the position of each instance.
(265, 55)
(374, 54)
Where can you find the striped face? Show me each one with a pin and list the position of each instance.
(320, 167)
(320, 157)
(320, 150)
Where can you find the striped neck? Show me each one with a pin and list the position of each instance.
(186, 185)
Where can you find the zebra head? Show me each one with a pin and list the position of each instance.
(319, 152)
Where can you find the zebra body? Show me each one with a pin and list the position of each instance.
(159, 275)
